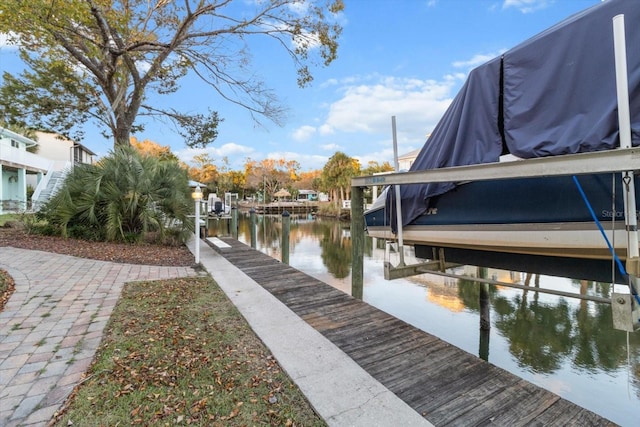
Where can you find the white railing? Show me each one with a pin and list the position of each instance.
(22, 158)
(44, 183)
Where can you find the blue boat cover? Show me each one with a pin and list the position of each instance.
(553, 94)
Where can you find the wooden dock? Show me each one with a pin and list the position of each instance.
(277, 208)
(443, 383)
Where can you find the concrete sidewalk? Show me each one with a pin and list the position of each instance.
(340, 391)
(53, 323)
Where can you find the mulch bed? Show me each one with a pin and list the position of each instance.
(147, 254)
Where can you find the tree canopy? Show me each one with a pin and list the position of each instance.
(149, 148)
(269, 175)
(100, 60)
(337, 174)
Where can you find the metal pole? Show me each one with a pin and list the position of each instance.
(397, 190)
(630, 311)
(624, 121)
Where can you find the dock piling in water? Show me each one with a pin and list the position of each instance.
(286, 227)
(357, 242)
(234, 222)
(252, 224)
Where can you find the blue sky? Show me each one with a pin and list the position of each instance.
(402, 58)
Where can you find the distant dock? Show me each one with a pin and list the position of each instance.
(275, 208)
(443, 383)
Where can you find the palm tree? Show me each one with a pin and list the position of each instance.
(124, 197)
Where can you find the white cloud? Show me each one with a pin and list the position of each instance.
(527, 6)
(325, 130)
(303, 133)
(5, 41)
(368, 108)
(331, 147)
(476, 60)
(299, 8)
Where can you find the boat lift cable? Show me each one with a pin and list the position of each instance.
(611, 249)
(597, 221)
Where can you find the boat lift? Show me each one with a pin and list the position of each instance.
(624, 160)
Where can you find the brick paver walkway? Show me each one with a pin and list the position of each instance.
(52, 325)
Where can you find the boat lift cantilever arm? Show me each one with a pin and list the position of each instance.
(620, 160)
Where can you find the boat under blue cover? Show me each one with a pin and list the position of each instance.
(552, 95)
(543, 216)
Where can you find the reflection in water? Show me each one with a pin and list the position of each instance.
(539, 334)
(563, 344)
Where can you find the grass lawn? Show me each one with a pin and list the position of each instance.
(179, 352)
(4, 218)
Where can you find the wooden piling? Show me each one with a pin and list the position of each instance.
(357, 242)
(485, 315)
(234, 222)
(253, 225)
(485, 308)
(286, 227)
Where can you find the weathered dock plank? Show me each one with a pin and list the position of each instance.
(443, 383)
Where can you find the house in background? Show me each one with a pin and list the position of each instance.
(16, 163)
(307, 195)
(406, 160)
(60, 149)
(43, 171)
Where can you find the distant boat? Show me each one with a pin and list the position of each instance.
(217, 206)
(552, 95)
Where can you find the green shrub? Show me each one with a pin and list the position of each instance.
(122, 198)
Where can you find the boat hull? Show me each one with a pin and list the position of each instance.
(541, 216)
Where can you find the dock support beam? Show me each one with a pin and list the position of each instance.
(357, 242)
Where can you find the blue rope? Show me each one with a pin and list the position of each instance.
(597, 221)
(613, 252)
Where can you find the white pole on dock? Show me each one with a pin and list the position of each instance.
(625, 308)
(397, 189)
(197, 197)
(624, 123)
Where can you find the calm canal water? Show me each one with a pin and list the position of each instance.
(563, 344)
